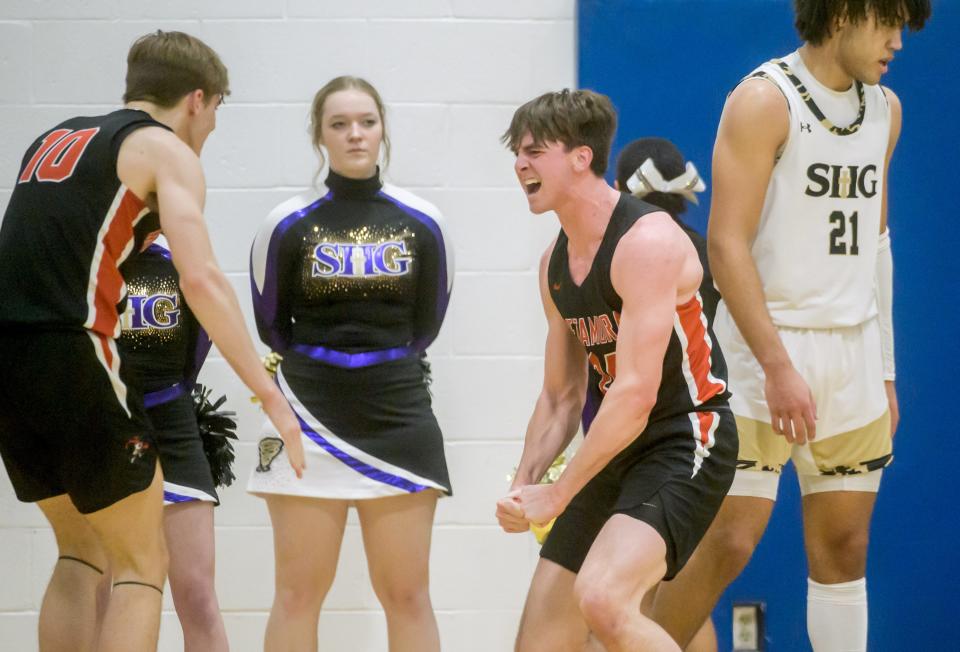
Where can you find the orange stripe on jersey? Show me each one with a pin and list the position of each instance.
(108, 283)
(705, 425)
(697, 350)
(107, 353)
(704, 434)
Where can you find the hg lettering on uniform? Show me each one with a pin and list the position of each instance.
(160, 311)
(841, 181)
(352, 259)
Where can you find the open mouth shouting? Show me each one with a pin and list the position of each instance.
(531, 186)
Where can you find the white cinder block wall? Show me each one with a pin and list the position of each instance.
(451, 72)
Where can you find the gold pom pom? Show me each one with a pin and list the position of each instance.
(553, 473)
(270, 362)
(541, 532)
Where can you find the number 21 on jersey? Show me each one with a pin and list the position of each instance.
(838, 241)
(57, 156)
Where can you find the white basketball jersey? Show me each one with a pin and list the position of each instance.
(816, 245)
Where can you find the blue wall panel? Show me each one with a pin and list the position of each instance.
(668, 65)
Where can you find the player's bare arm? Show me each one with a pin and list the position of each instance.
(556, 414)
(655, 267)
(154, 162)
(753, 128)
(885, 301)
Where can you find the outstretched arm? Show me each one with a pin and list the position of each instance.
(154, 161)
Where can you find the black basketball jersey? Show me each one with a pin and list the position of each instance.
(161, 340)
(68, 226)
(694, 373)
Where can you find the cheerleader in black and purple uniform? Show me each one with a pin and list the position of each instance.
(350, 285)
(164, 345)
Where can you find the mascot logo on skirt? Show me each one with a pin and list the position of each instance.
(269, 448)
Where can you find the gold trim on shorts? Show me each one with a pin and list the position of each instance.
(865, 449)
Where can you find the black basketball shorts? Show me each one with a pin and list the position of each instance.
(70, 420)
(664, 479)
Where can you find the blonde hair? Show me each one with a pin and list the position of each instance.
(342, 83)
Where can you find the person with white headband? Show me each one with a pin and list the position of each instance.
(660, 159)
(654, 170)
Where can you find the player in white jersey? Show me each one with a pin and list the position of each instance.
(800, 251)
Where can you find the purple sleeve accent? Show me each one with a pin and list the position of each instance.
(201, 350)
(170, 497)
(360, 467)
(353, 360)
(590, 408)
(153, 399)
(266, 301)
(203, 344)
(163, 251)
(423, 340)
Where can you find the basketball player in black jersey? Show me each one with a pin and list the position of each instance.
(654, 170)
(73, 434)
(621, 288)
